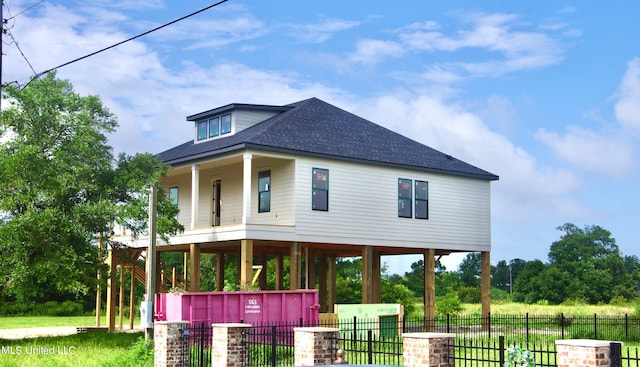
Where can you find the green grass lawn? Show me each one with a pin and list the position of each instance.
(18, 322)
(87, 349)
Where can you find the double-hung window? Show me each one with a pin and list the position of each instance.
(264, 191)
(173, 196)
(320, 189)
(407, 206)
(405, 198)
(422, 200)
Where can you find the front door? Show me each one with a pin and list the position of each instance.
(216, 205)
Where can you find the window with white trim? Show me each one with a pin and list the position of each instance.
(320, 189)
(405, 198)
(213, 127)
(264, 192)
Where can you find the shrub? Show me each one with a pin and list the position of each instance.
(519, 357)
(618, 301)
(53, 308)
(449, 305)
(563, 320)
(470, 295)
(574, 302)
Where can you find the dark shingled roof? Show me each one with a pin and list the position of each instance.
(315, 128)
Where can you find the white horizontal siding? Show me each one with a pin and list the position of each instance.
(246, 118)
(183, 183)
(363, 207)
(282, 189)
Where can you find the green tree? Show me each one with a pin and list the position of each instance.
(590, 261)
(500, 275)
(414, 279)
(61, 188)
(470, 268)
(528, 285)
(585, 264)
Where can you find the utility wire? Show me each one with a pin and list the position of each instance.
(23, 11)
(8, 32)
(38, 75)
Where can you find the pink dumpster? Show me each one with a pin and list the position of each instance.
(250, 307)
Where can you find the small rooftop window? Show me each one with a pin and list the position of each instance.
(213, 127)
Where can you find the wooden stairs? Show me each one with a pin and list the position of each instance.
(133, 259)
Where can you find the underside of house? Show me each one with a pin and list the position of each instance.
(311, 183)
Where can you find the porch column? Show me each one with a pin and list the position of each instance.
(111, 291)
(262, 278)
(195, 193)
(322, 281)
(311, 269)
(331, 272)
(375, 277)
(246, 189)
(294, 266)
(246, 263)
(185, 270)
(194, 265)
(219, 271)
(485, 275)
(430, 287)
(367, 275)
(279, 271)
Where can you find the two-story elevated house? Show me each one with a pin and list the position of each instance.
(312, 182)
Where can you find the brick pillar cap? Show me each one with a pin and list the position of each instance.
(234, 325)
(583, 343)
(316, 329)
(171, 322)
(428, 335)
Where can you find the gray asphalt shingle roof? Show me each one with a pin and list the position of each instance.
(316, 128)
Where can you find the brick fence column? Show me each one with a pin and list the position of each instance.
(167, 341)
(227, 347)
(427, 349)
(582, 353)
(315, 345)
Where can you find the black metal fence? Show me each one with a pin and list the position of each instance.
(270, 344)
(196, 345)
(626, 358)
(532, 328)
(480, 341)
(479, 353)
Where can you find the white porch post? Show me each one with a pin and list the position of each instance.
(246, 189)
(195, 190)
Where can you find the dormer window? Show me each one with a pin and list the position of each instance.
(213, 127)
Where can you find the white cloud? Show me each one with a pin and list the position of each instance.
(606, 153)
(492, 33)
(627, 109)
(610, 150)
(370, 51)
(321, 31)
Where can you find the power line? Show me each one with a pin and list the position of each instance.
(8, 32)
(38, 75)
(23, 11)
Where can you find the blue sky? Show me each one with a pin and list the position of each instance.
(544, 94)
